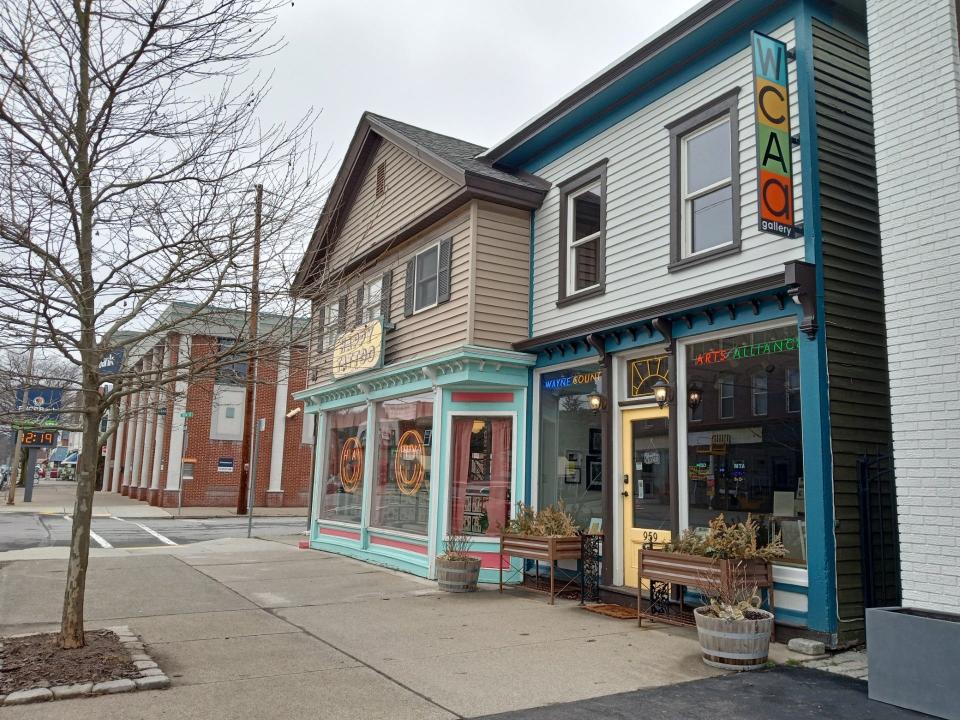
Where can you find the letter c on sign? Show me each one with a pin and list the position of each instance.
(763, 108)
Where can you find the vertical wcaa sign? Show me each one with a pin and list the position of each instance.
(772, 101)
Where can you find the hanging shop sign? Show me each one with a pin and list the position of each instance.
(409, 464)
(351, 464)
(745, 351)
(359, 349)
(583, 378)
(645, 372)
(772, 103)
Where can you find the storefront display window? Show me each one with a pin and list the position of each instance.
(744, 443)
(481, 474)
(401, 490)
(571, 444)
(342, 491)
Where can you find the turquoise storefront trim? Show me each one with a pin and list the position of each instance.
(473, 371)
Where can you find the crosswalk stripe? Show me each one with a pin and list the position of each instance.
(93, 536)
(165, 540)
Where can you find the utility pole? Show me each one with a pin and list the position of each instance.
(15, 463)
(250, 396)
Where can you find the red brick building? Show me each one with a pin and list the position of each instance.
(181, 442)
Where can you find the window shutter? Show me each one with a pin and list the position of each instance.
(319, 327)
(360, 305)
(443, 271)
(408, 287)
(385, 296)
(342, 314)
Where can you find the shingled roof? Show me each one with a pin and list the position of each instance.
(461, 153)
(456, 159)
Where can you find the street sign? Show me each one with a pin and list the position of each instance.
(161, 411)
(187, 414)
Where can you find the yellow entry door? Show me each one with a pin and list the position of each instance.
(645, 483)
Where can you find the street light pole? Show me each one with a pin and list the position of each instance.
(15, 464)
(250, 396)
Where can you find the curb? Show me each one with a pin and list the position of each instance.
(150, 677)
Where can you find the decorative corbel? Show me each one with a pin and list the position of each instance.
(801, 281)
(664, 326)
(596, 342)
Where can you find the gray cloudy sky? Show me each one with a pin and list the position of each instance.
(472, 70)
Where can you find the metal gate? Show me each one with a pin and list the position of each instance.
(879, 537)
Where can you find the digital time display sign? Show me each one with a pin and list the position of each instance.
(39, 438)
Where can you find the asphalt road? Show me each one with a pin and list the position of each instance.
(19, 531)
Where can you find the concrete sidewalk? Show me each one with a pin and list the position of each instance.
(264, 630)
(56, 497)
(261, 629)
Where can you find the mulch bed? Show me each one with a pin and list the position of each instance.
(38, 661)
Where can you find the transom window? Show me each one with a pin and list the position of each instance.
(707, 188)
(427, 273)
(372, 294)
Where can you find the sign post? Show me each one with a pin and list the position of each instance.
(252, 486)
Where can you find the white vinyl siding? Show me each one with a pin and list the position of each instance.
(637, 233)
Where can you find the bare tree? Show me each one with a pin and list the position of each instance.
(129, 148)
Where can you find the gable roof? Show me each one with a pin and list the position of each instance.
(451, 157)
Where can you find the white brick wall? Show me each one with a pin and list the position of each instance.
(915, 67)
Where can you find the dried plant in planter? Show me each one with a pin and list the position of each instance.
(457, 547)
(735, 599)
(551, 521)
(728, 541)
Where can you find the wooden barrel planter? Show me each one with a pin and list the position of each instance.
(734, 644)
(458, 576)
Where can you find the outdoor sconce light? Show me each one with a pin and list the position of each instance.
(596, 401)
(694, 396)
(661, 393)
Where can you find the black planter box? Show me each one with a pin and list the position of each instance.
(914, 659)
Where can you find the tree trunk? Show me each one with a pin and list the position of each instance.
(71, 627)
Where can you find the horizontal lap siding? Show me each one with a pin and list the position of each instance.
(429, 330)
(501, 296)
(441, 327)
(412, 188)
(638, 206)
(853, 294)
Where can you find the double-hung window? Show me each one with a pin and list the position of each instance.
(726, 386)
(427, 267)
(372, 295)
(331, 326)
(582, 234)
(705, 188)
(758, 389)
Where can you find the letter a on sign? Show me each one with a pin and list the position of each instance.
(774, 160)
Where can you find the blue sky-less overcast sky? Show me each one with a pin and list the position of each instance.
(475, 70)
